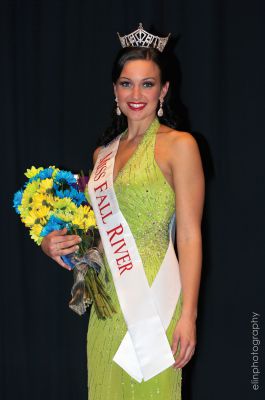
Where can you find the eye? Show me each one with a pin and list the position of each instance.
(148, 84)
(124, 83)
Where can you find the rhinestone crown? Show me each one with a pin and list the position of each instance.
(142, 38)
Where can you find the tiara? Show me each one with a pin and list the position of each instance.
(142, 38)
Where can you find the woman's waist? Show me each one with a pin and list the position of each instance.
(152, 249)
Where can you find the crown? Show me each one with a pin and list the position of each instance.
(142, 38)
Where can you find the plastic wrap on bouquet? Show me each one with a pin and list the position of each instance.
(81, 298)
(87, 287)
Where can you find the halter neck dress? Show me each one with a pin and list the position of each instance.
(147, 202)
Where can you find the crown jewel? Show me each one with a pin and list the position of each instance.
(142, 38)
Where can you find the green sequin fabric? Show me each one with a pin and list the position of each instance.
(147, 202)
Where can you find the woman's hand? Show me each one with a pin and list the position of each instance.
(184, 336)
(58, 243)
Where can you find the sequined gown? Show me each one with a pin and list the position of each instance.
(147, 202)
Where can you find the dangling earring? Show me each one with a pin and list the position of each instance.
(160, 112)
(118, 111)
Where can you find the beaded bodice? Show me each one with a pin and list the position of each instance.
(146, 200)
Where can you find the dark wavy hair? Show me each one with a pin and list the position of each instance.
(174, 115)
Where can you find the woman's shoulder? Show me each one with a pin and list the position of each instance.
(180, 148)
(175, 139)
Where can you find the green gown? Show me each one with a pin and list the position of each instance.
(147, 202)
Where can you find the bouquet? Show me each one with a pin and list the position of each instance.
(54, 199)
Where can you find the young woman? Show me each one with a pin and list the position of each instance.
(157, 172)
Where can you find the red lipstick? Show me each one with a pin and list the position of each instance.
(135, 106)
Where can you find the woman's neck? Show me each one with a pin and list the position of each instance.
(138, 128)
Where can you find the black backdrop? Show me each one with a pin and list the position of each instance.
(56, 97)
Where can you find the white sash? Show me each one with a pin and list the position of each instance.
(144, 351)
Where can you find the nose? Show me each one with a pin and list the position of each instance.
(136, 92)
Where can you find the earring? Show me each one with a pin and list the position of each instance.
(118, 111)
(160, 112)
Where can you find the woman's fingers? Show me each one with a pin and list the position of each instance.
(61, 236)
(52, 242)
(58, 243)
(185, 332)
(63, 248)
(65, 242)
(61, 263)
(60, 232)
(181, 355)
(68, 250)
(186, 352)
(189, 353)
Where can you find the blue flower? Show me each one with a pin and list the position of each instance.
(65, 177)
(63, 193)
(45, 174)
(53, 224)
(17, 200)
(77, 197)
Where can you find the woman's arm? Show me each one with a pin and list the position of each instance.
(189, 186)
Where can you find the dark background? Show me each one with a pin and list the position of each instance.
(56, 99)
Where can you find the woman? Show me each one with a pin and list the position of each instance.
(157, 172)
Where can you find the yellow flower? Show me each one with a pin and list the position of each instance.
(25, 204)
(64, 216)
(90, 216)
(41, 212)
(29, 219)
(45, 185)
(64, 204)
(43, 199)
(35, 233)
(84, 218)
(64, 209)
(30, 173)
(55, 170)
(27, 198)
(33, 217)
(31, 188)
(78, 221)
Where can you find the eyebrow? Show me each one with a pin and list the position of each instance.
(144, 79)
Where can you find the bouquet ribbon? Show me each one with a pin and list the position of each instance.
(80, 299)
(144, 351)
